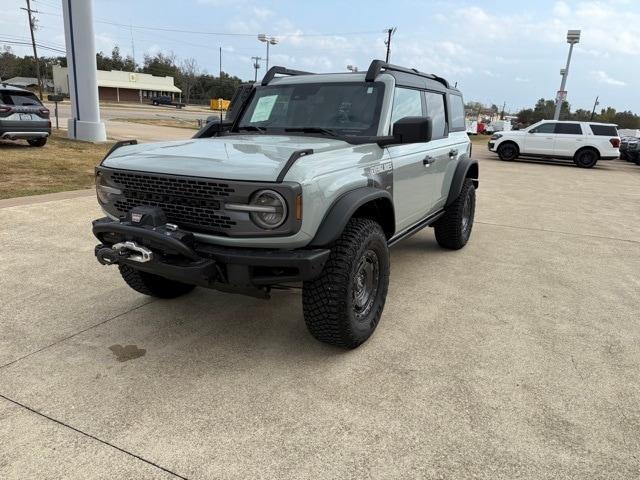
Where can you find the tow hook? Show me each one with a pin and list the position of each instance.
(124, 250)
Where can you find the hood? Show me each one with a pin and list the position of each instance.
(255, 157)
(512, 133)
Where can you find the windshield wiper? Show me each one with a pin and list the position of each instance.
(253, 128)
(324, 131)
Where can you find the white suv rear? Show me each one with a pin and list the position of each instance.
(583, 142)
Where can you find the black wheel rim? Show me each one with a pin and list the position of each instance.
(466, 214)
(365, 284)
(587, 158)
(508, 152)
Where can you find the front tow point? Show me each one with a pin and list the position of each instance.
(124, 250)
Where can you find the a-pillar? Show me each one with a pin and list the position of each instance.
(85, 123)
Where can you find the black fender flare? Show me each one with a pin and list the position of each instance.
(466, 168)
(343, 209)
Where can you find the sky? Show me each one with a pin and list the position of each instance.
(497, 51)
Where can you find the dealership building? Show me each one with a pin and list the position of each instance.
(119, 86)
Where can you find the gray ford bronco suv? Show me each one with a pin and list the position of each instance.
(310, 179)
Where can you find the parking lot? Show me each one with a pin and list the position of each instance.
(516, 357)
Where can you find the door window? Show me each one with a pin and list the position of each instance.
(406, 103)
(435, 110)
(545, 128)
(568, 128)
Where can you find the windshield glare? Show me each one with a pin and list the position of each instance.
(347, 108)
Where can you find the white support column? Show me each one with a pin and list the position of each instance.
(85, 123)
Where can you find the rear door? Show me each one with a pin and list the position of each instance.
(569, 137)
(442, 150)
(540, 140)
(413, 182)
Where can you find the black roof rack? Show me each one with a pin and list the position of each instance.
(378, 65)
(273, 71)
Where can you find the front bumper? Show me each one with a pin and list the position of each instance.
(491, 146)
(13, 129)
(178, 256)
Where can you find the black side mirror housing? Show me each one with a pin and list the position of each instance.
(214, 127)
(410, 130)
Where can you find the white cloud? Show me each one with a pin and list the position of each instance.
(561, 9)
(522, 80)
(603, 77)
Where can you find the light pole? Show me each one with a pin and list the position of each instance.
(269, 40)
(352, 68)
(256, 66)
(573, 37)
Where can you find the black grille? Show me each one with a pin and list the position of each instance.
(186, 202)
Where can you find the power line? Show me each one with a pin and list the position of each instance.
(39, 45)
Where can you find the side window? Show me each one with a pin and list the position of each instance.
(456, 115)
(606, 130)
(569, 128)
(545, 128)
(406, 103)
(436, 110)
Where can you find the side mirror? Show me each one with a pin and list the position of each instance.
(213, 127)
(413, 129)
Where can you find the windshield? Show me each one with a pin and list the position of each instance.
(347, 108)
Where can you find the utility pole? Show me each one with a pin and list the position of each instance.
(504, 105)
(33, 42)
(387, 42)
(256, 66)
(595, 104)
(133, 48)
(221, 64)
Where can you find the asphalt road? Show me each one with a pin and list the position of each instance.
(516, 357)
(110, 111)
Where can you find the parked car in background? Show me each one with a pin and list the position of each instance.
(583, 142)
(630, 149)
(22, 116)
(165, 100)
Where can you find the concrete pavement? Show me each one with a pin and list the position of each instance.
(516, 357)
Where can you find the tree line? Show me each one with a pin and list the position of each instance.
(544, 110)
(196, 84)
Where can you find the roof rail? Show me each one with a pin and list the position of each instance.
(273, 71)
(378, 65)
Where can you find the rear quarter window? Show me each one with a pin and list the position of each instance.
(456, 116)
(604, 130)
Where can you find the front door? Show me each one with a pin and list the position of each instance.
(540, 140)
(413, 182)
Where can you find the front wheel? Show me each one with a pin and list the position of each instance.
(508, 151)
(342, 307)
(153, 285)
(454, 228)
(37, 142)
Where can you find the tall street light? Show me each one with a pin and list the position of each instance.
(573, 37)
(269, 40)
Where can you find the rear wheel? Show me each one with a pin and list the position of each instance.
(342, 307)
(454, 228)
(37, 142)
(586, 158)
(508, 151)
(153, 285)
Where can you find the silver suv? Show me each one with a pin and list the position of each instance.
(22, 116)
(311, 178)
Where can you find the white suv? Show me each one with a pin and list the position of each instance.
(583, 142)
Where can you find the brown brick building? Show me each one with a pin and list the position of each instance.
(119, 86)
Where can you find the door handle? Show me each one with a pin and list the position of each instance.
(453, 152)
(428, 160)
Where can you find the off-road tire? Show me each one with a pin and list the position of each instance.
(508, 151)
(586, 158)
(153, 285)
(37, 142)
(331, 302)
(454, 228)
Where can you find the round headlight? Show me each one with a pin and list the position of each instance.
(273, 211)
